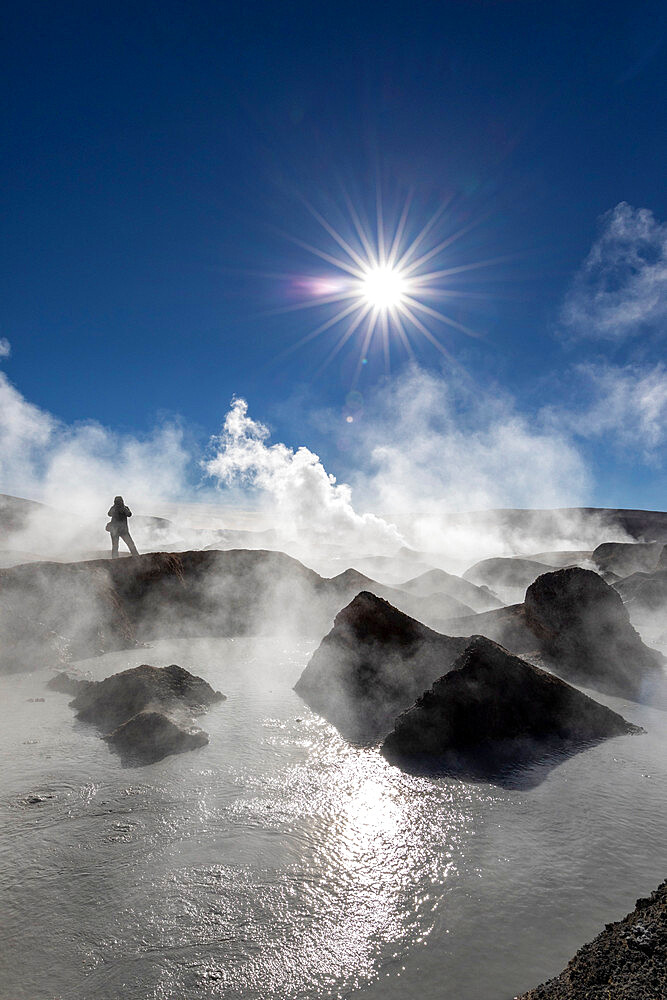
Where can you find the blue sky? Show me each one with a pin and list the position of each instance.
(162, 160)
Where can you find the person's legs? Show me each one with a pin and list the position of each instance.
(127, 538)
(114, 544)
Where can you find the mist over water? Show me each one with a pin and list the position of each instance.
(282, 862)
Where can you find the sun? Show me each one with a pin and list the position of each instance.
(385, 282)
(383, 287)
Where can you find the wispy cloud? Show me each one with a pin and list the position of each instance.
(5, 348)
(620, 290)
(626, 406)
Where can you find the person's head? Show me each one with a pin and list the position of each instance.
(118, 501)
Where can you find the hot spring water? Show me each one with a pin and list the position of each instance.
(280, 862)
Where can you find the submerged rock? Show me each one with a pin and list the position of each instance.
(494, 710)
(627, 961)
(373, 664)
(150, 736)
(581, 623)
(144, 711)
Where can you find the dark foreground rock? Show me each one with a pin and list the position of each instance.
(582, 625)
(627, 961)
(372, 665)
(494, 710)
(145, 711)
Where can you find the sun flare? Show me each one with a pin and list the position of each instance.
(383, 287)
(382, 283)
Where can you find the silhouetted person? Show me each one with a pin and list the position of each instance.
(117, 527)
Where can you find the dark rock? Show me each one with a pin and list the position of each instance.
(116, 699)
(582, 625)
(150, 736)
(373, 664)
(627, 961)
(624, 558)
(495, 710)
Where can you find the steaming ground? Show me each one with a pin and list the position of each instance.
(281, 862)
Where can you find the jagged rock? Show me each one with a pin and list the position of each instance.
(149, 736)
(621, 559)
(494, 710)
(373, 664)
(627, 961)
(116, 699)
(582, 625)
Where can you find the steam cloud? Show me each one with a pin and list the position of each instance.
(305, 499)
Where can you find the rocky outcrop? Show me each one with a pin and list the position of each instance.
(145, 711)
(494, 710)
(55, 612)
(627, 961)
(578, 624)
(620, 559)
(372, 665)
(582, 625)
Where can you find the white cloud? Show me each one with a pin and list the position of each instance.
(5, 348)
(621, 288)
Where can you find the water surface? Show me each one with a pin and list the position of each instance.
(281, 862)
